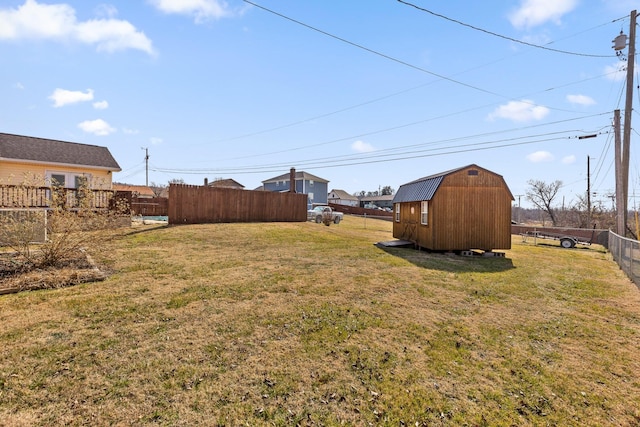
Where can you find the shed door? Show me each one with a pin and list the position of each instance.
(411, 220)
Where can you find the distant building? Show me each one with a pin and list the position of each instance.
(136, 190)
(224, 183)
(385, 201)
(341, 197)
(305, 183)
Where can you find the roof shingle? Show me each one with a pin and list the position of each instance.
(41, 150)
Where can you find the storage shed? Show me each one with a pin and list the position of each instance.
(458, 210)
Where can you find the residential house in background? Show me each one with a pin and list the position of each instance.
(314, 187)
(224, 183)
(457, 210)
(385, 201)
(341, 197)
(140, 191)
(24, 159)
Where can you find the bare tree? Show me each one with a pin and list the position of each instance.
(542, 195)
(158, 189)
(387, 191)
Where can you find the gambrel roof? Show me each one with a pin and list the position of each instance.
(424, 188)
(28, 149)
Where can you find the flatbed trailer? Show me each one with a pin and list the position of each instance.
(565, 240)
(567, 237)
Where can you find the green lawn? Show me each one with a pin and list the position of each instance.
(300, 323)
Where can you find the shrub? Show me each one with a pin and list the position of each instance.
(70, 225)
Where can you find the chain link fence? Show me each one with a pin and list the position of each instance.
(626, 252)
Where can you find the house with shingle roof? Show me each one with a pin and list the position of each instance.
(341, 197)
(304, 182)
(44, 162)
(225, 183)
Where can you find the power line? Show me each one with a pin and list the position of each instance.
(351, 160)
(415, 67)
(503, 36)
(357, 162)
(374, 100)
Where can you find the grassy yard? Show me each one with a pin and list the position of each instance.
(285, 324)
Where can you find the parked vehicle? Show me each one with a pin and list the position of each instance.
(324, 214)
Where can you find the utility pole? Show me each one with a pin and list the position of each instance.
(628, 107)
(588, 190)
(519, 208)
(146, 165)
(620, 217)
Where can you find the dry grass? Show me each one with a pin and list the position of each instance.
(285, 324)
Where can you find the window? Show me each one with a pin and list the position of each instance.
(310, 182)
(57, 180)
(310, 196)
(81, 182)
(67, 179)
(424, 214)
(397, 212)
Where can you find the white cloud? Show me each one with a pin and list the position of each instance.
(362, 147)
(532, 13)
(581, 100)
(19, 86)
(540, 156)
(520, 111)
(130, 131)
(111, 35)
(58, 22)
(63, 97)
(616, 72)
(201, 10)
(568, 160)
(106, 10)
(155, 140)
(97, 127)
(101, 105)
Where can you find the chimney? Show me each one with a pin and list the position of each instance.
(206, 182)
(292, 180)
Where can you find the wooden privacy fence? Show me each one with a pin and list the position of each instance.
(191, 204)
(145, 206)
(355, 210)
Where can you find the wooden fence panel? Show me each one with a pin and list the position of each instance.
(355, 210)
(190, 204)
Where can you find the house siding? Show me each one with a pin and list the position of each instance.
(18, 173)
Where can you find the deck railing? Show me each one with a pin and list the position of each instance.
(18, 196)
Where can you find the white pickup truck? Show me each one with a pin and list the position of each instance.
(324, 214)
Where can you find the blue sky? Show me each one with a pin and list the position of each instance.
(363, 93)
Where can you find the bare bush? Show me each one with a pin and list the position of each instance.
(71, 225)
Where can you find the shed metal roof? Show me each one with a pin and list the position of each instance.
(41, 150)
(424, 188)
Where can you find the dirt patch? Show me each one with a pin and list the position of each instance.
(16, 276)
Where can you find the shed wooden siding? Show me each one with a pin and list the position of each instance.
(19, 173)
(190, 204)
(465, 212)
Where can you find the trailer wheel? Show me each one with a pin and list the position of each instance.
(567, 243)
(336, 220)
